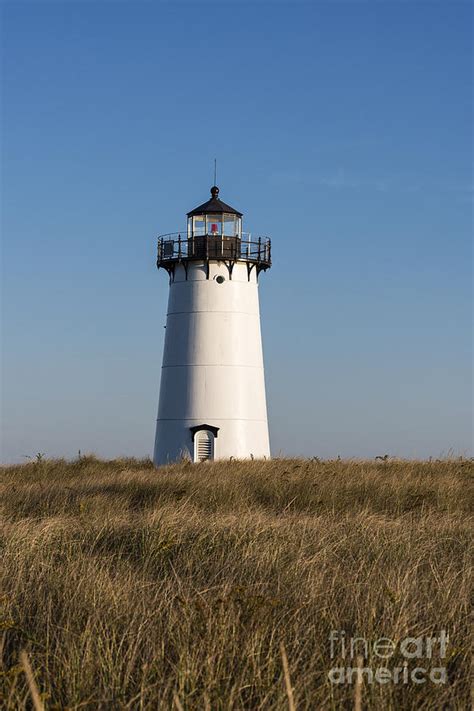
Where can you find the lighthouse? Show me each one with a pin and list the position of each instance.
(212, 401)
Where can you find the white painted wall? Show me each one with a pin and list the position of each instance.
(212, 365)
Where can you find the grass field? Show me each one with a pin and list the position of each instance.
(132, 588)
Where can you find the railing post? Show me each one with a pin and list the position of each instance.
(259, 248)
(179, 246)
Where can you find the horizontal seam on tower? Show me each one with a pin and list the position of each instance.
(212, 365)
(209, 311)
(226, 419)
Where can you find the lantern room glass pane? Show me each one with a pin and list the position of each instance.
(199, 225)
(230, 225)
(214, 224)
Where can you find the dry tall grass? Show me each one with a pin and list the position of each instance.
(188, 587)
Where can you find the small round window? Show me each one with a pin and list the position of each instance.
(220, 279)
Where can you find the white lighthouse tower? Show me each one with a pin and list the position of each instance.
(212, 396)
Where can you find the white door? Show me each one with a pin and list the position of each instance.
(203, 446)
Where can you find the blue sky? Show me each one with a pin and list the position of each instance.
(341, 129)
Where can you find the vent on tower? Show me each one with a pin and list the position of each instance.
(203, 446)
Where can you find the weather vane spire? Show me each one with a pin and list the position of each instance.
(215, 171)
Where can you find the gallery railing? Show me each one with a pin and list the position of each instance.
(175, 247)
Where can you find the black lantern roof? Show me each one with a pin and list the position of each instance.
(214, 206)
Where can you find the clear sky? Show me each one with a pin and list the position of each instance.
(341, 129)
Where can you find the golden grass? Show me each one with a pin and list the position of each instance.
(216, 586)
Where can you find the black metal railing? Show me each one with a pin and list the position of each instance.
(175, 247)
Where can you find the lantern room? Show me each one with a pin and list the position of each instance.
(213, 233)
(214, 219)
